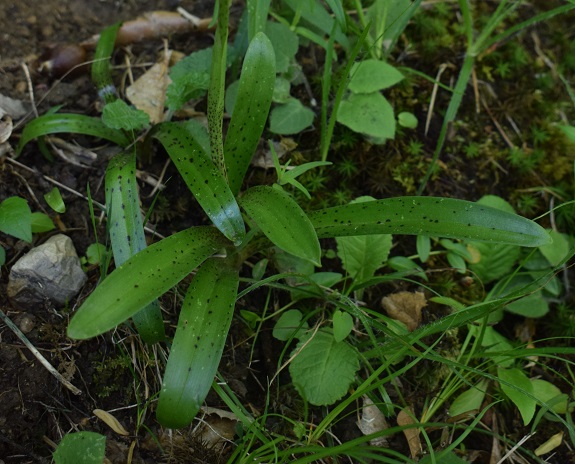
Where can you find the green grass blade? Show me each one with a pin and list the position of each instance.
(437, 217)
(202, 329)
(70, 123)
(283, 221)
(127, 233)
(251, 109)
(203, 178)
(143, 278)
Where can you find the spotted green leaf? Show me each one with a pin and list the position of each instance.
(443, 217)
(197, 348)
(251, 108)
(70, 123)
(127, 233)
(283, 221)
(143, 278)
(203, 179)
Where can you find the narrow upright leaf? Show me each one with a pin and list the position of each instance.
(283, 221)
(203, 178)
(202, 329)
(251, 109)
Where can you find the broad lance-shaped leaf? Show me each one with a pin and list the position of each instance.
(443, 217)
(143, 278)
(202, 329)
(70, 123)
(251, 108)
(203, 179)
(127, 233)
(283, 221)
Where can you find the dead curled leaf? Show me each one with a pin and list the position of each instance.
(372, 421)
(110, 421)
(412, 433)
(405, 307)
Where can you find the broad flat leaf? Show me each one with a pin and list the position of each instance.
(281, 90)
(203, 178)
(190, 78)
(369, 114)
(251, 109)
(288, 325)
(532, 305)
(323, 369)
(470, 400)
(143, 278)
(443, 217)
(40, 222)
(516, 385)
(285, 43)
(556, 251)
(546, 392)
(342, 325)
(196, 351)
(290, 118)
(370, 76)
(127, 233)
(15, 218)
(119, 115)
(407, 120)
(55, 200)
(81, 448)
(493, 341)
(283, 221)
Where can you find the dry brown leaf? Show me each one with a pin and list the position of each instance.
(411, 434)
(372, 421)
(6, 127)
(148, 93)
(405, 307)
(110, 421)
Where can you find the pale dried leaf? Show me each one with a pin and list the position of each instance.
(6, 127)
(13, 108)
(264, 159)
(372, 421)
(405, 307)
(148, 93)
(221, 413)
(554, 442)
(110, 421)
(411, 434)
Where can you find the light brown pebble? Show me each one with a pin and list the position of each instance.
(26, 323)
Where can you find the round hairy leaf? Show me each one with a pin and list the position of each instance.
(323, 369)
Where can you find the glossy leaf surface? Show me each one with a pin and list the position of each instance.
(251, 109)
(202, 329)
(283, 221)
(438, 217)
(204, 179)
(143, 278)
(127, 233)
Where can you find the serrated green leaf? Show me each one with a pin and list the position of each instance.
(203, 179)
(517, 386)
(289, 325)
(370, 76)
(55, 200)
(342, 325)
(290, 118)
(81, 448)
(362, 255)
(323, 369)
(143, 278)
(40, 222)
(126, 231)
(70, 123)
(190, 78)
(444, 217)
(119, 115)
(197, 348)
(283, 221)
(470, 400)
(369, 114)
(16, 218)
(251, 109)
